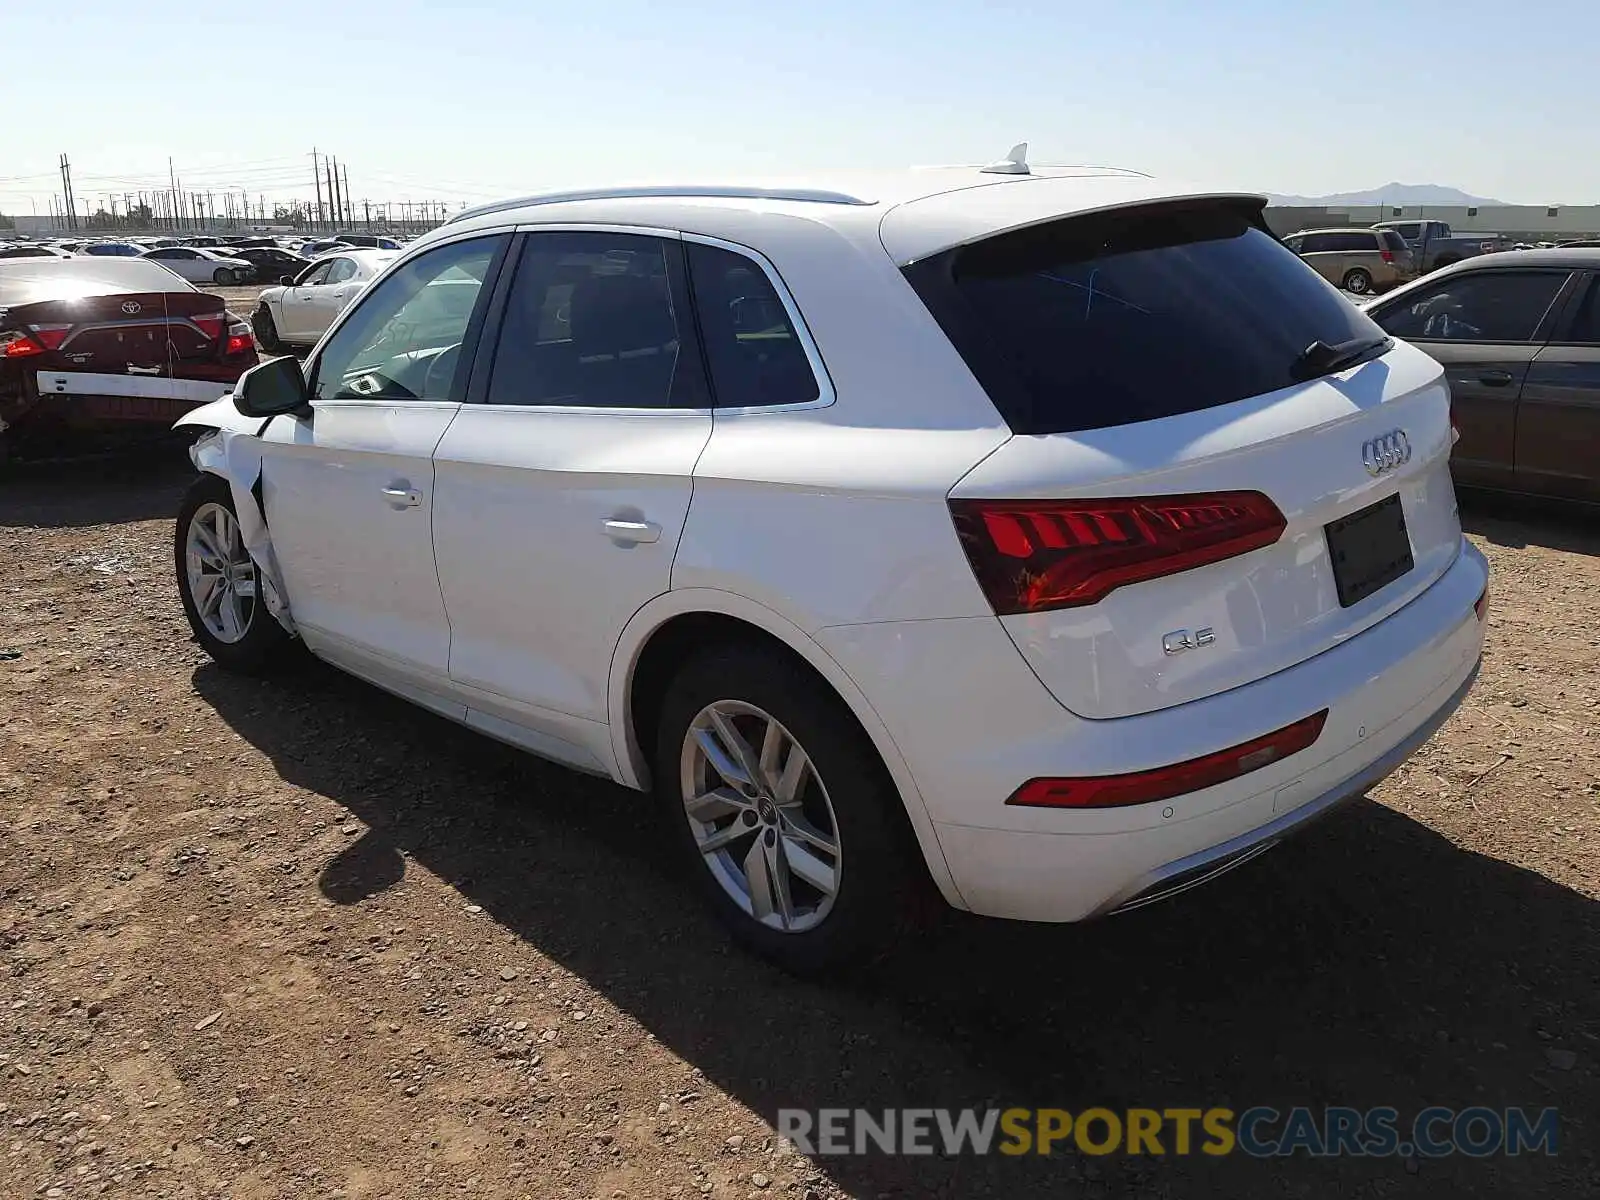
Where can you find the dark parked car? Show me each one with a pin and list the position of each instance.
(91, 347)
(1519, 337)
(29, 250)
(112, 250)
(270, 263)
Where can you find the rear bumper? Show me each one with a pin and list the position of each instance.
(75, 400)
(96, 386)
(1205, 865)
(973, 723)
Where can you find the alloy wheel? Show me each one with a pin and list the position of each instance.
(221, 574)
(761, 816)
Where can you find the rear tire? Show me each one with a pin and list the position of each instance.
(1359, 281)
(220, 586)
(266, 331)
(768, 874)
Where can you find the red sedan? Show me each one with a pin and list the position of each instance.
(91, 347)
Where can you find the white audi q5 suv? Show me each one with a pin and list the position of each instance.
(1053, 536)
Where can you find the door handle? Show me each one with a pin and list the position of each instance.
(1495, 378)
(402, 497)
(632, 533)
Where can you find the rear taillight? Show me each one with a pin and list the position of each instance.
(16, 344)
(1034, 555)
(240, 339)
(210, 324)
(50, 336)
(1163, 783)
(1388, 255)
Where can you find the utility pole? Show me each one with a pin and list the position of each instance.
(66, 192)
(316, 179)
(327, 167)
(338, 197)
(349, 206)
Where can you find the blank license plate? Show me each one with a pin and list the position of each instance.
(1370, 550)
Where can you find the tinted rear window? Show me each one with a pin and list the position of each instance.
(1132, 316)
(1394, 241)
(26, 280)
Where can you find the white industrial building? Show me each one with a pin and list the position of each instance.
(1522, 222)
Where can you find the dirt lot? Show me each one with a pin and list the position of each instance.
(297, 939)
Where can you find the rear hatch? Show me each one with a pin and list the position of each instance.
(1396, 250)
(1221, 467)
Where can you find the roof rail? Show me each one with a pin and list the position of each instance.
(805, 195)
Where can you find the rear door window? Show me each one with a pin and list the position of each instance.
(1485, 306)
(1393, 242)
(1586, 322)
(1133, 315)
(597, 320)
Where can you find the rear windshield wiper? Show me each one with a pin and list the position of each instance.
(1319, 358)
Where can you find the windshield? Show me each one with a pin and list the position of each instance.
(1133, 315)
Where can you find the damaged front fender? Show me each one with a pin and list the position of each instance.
(233, 453)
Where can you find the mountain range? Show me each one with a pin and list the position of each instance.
(1397, 194)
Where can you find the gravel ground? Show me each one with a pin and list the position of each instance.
(297, 939)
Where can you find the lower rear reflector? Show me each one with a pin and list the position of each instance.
(1162, 783)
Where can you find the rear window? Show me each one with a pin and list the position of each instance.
(1132, 316)
(1393, 241)
(26, 280)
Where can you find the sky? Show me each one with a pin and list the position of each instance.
(472, 101)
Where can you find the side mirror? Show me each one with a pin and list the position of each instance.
(286, 280)
(276, 386)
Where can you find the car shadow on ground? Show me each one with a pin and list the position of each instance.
(1371, 962)
(95, 489)
(1521, 521)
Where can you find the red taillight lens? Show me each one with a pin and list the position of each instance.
(1388, 255)
(239, 337)
(16, 344)
(210, 324)
(1162, 783)
(50, 336)
(1034, 555)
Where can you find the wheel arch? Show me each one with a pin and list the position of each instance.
(664, 630)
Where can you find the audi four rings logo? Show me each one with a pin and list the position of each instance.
(130, 307)
(1387, 452)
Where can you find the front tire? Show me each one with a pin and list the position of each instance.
(784, 811)
(1358, 281)
(266, 331)
(219, 584)
(225, 277)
